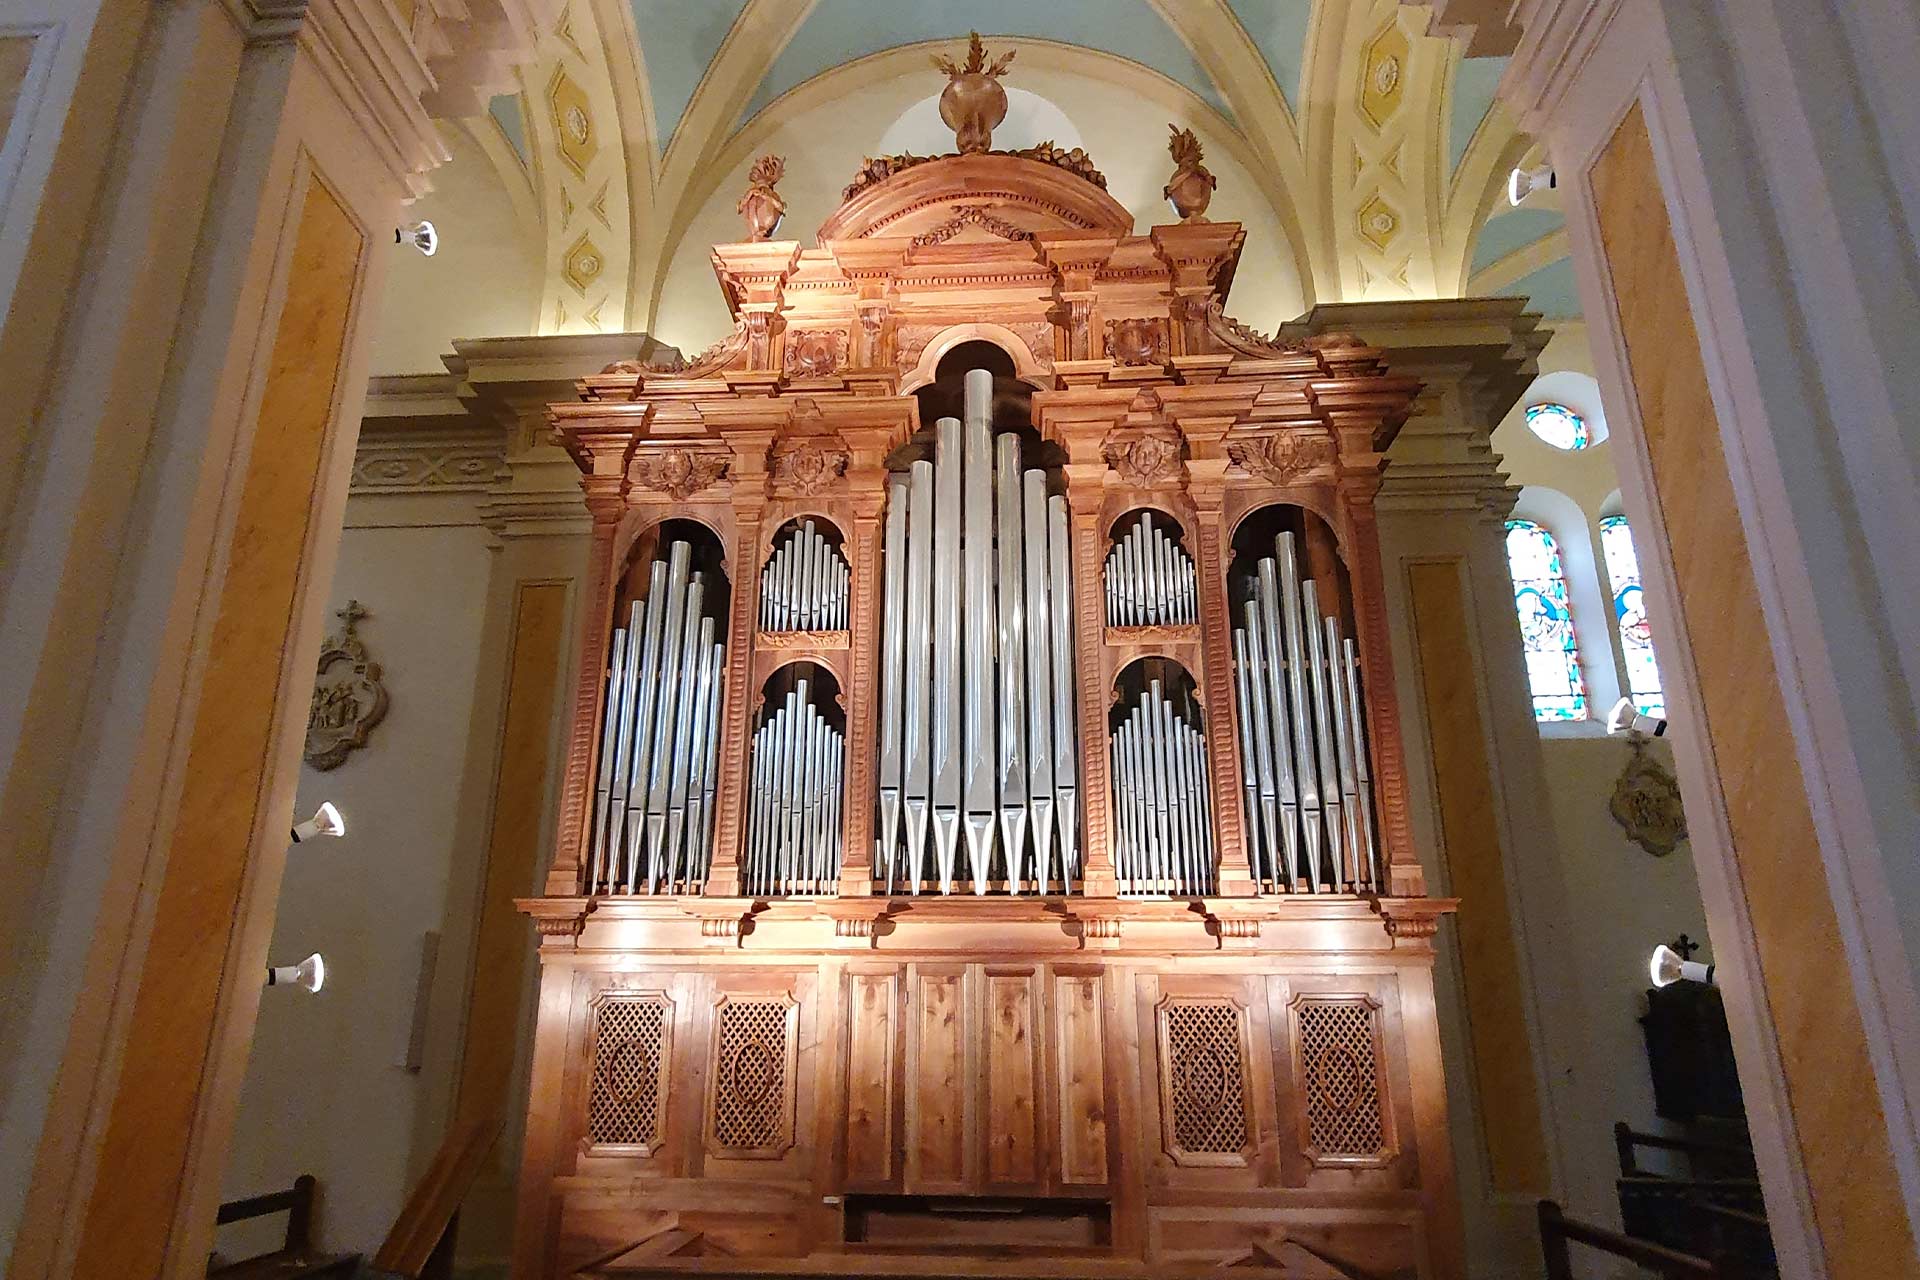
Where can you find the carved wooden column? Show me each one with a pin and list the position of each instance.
(863, 693)
(1405, 879)
(1207, 486)
(606, 503)
(1085, 482)
(736, 712)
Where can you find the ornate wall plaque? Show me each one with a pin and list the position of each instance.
(348, 698)
(1140, 340)
(1646, 802)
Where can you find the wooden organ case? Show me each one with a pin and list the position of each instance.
(983, 840)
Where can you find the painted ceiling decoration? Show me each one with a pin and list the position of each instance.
(1376, 143)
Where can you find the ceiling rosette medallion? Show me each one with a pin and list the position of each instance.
(679, 472)
(1281, 457)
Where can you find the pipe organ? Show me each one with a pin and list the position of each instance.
(982, 846)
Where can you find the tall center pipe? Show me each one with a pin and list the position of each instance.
(978, 744)
(948, 767)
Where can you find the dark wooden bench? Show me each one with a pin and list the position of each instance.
(1558, 1232)
(295, 1257)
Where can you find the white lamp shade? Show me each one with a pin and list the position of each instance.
(1666, 967)
(326, 821)
(310, 973)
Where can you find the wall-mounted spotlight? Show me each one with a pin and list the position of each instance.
(310, 973)
(1522, 183)
(1624, 718)
(326, 821)
(422, 236)
(1667, 966)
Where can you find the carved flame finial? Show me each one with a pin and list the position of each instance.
(1190, 189)
(762, 206)
(973, 102)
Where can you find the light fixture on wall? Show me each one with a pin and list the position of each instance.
(1667, 966)
(310, 973)
(1522, 183)
(422, 236)
(326, 821)
(1626, 718)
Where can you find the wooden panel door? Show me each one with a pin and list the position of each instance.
(1344, 1093)
(762, 1065)
(875, 1045)
(939, 1078)
(1206, 1079)
(1080, 1076)
(1011, 1125)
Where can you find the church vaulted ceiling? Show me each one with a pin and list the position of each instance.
(1377, 147)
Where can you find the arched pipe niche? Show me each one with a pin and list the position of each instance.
(804, 585)
(1149, 573)
(796, 795)
(1306, 775)
(653, 796)
(1163, 830)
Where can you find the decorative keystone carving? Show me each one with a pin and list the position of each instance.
(801, 465)
(1281, 457)
(1141, 340)
(971, 215)
(1646, 802)
(815, 353)
(679, 473)
(1146, 460)
(348, 698)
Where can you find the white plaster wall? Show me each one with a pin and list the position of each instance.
(1122, 128)
(484, 282)
(325, 1091)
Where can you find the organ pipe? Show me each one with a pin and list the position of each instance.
(977, 737)
(793, 834)
(1163, 821)
(1307, 778)
(804, 584)
(1149, 579)
(653, 802)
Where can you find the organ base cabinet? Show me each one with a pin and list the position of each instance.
(983, 842)
(1066, 1087)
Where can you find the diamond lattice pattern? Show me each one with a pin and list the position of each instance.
(623, 1104)
(1205, 1078)
(750, 1089)
(1337, 1053)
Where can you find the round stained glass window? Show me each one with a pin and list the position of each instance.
(1558, 425)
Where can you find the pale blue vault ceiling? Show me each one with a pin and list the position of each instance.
(678, 38)
(1278, 29)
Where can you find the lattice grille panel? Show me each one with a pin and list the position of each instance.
(1339, 1058)
(750, 1082)
(1204, 1076)
(629, 1071)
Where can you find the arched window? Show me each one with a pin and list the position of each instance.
(1558, 425)
(1546, 624)
(1630, 616)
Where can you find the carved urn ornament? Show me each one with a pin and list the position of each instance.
(762, 206)
(973, 102)
(1190, 189)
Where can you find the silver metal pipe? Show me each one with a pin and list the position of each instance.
(1302, 755)
(1364, 779)
(655, 734)
(1268, 593)
(916, 767)
(758, 795)
(610, 724)
(1343, 757)
(893, 653)
(1265, 743)
(670, 801)
(638, 699)
(1040, 690)
(1323, 724)
(690, 859)
(709, 774)
(1011, 642)
(1065, 739)
(977, 749)
(1263, 869)
(948, 765)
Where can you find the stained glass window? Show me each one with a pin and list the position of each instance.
(1630, 616)
(1546, 623)
(1558, 425)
